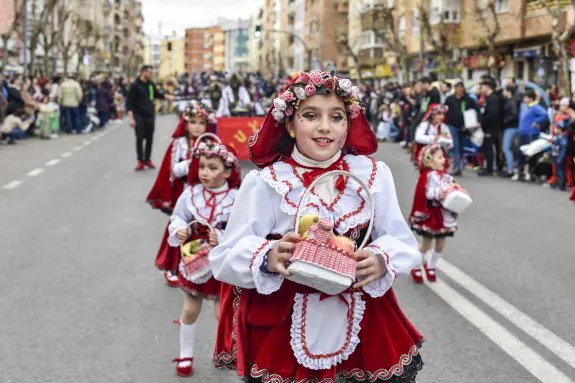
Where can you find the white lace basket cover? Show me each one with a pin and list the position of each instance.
(456, 199)
(316, 263)
(198, 269)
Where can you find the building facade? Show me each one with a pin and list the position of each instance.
(235, 44)
(172, 57)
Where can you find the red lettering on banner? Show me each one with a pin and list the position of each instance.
(235, 131)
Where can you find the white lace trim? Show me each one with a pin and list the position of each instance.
(265, 283)
(197, 205)
(314, 362)
(379, 287)
(287, 184)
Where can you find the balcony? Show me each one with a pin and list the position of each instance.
(107, 6)
(372, 56)
(372, 19)
(537, 6)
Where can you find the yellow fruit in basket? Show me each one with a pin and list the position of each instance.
(307, 221)
(343, 243)
(191, 247)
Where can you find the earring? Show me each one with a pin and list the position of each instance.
(292, 133)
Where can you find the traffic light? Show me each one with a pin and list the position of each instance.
(258, 31)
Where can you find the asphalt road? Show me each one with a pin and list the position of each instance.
(82, 301)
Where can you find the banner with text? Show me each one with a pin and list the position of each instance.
(235, 131)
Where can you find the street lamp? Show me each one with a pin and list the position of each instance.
(258, 34)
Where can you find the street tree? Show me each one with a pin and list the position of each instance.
(52, 33)
(39, 14)
(486, 14)
(559, 37)
(384, 19)
(442, 35)
(13, 31)
(77, 32)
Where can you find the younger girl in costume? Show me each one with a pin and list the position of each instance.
(288, 332)
(173, 175)
(428, 218)
(208, 202)
(432, 130)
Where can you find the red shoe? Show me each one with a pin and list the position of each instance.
(171, 280)
(417, 276)
(430, 273)
(150, 164)
(139, 166)
(184, 371)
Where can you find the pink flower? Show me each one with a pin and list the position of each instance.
(278, 115)
(309, 90)
(304, 77)
(315, 71)
(330, 84)
(289, 111)
(315, 78)
(287, 96)
(299, 92)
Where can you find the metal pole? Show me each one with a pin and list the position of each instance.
(25, 37)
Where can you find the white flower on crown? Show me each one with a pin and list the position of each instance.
(278, 115)
(354, 92)
(345, 85)
(299, 93)
(280, 104)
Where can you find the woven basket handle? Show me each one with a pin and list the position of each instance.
(355, 178)
(201, 223)
(203, 136)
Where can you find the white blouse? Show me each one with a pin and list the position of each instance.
(428, 134)
(180, 157)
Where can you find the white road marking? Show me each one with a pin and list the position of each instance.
(35, 172)
(12, 185)
(86, 143)
(66, 154)
(95, 138)
(524, 355)
(546, 337)
(53, 162)
(76, 148)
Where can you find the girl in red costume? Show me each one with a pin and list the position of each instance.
(432, 130)
(287, 332)
(428, 218)
(208, 201)
(173, 175)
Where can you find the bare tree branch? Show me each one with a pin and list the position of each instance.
(487, 16)
(16, 23)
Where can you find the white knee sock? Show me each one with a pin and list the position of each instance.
(431, 258)
(187, 338)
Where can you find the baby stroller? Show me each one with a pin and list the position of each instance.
(539, 166)
(472, 158)
(92, 117)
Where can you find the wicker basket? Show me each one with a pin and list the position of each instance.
(195, 267)
(318, 264)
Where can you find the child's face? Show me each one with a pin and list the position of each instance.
(196, 127)
(437, 118)
(438, 160)
(212, 172)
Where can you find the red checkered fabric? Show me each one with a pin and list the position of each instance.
(326, 257)
(200, 263)
(321, 231)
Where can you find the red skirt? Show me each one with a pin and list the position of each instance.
(208, 290)
(388, 349)
(431, 226)
(225, 353)
(168, 257)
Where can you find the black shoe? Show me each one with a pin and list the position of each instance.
(484, 173)
(504, 174)
(456, 173)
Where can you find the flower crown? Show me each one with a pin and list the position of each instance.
(316, 82)
(212, 149)
(196, 108)
(427, 153)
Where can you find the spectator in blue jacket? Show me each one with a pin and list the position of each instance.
(531, 118)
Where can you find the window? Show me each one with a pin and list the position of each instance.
(415, 22)
(401, 29)
(501, 6)
(169, 47)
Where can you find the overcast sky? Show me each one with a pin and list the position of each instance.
(177, 15)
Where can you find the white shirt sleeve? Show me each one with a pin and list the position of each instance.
(244, 96)
(181, 217)
(420, 134)
(445, 140)
(180, 168)
(393, 241)
(243, 246)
